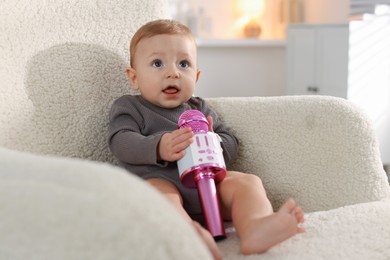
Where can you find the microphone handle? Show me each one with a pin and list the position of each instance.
(209, 200)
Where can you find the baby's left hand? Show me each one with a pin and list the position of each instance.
(210, 121)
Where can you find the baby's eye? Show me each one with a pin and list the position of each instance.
(184, 64)
(157, 63)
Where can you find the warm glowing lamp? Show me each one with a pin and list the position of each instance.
(250, 13)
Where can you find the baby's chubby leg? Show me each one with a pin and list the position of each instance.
(244, 201)
(170, 191)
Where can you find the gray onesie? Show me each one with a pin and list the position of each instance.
(135, 129)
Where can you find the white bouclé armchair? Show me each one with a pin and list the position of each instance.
(62, 63)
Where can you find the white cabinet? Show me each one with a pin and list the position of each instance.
(317, 60)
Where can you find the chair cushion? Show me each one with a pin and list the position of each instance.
(359, 231)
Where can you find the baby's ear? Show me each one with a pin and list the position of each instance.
(132, 75)
(197, 75)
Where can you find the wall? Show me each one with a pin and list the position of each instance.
(326, 11)
(241, 70)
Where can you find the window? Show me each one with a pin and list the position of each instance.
(359, 7)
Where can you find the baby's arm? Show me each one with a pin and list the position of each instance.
(125, 139)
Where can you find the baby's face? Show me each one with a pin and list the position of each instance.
(165, 69)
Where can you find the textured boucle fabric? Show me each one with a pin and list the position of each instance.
(321, 151)
(355, 232)
(59, 208)
(62, 65)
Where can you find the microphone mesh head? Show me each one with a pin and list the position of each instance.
(194, 119)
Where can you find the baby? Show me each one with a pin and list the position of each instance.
(144, 136)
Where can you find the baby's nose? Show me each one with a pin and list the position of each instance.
(173, 72)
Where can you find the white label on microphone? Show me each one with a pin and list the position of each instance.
(205, 150)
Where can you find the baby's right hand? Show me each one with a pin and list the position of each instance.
(172, 145)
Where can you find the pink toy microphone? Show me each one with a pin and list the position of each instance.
(203, 166)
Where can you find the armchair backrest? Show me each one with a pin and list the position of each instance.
(62, 65)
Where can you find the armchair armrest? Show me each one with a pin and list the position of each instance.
(320, 150)
(63, 208)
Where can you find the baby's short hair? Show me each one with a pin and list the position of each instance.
(157, 27)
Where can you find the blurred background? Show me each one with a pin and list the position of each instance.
(295, 47)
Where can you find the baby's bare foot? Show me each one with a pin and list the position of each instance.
(208, 240)
(262, 234)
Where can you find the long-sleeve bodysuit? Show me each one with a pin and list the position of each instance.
(135, 129)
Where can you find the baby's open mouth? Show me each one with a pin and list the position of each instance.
(171, 90)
